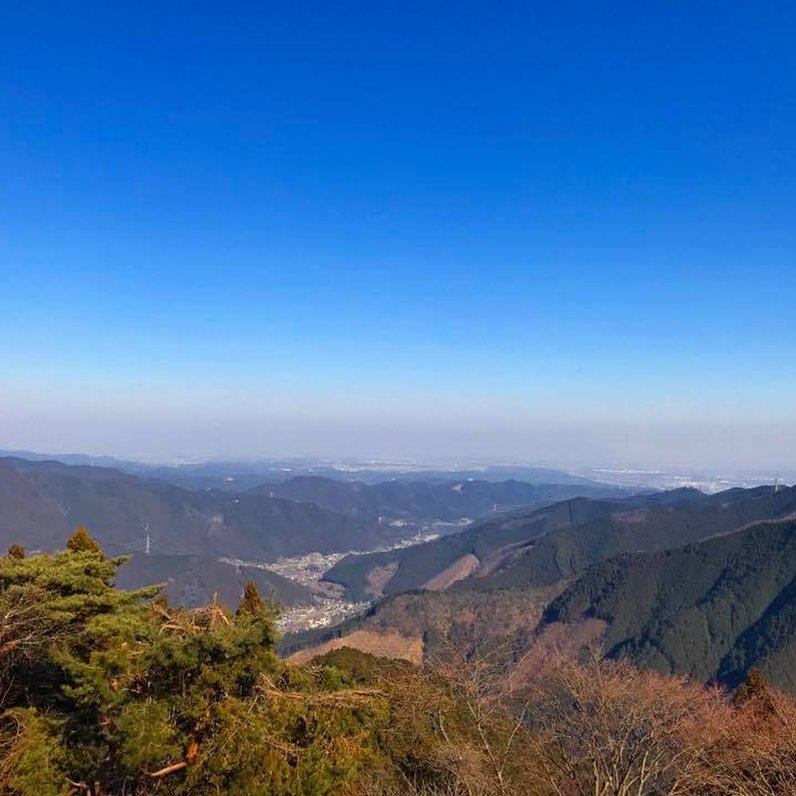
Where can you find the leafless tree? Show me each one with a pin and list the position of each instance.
(607, 729)
(754, 753)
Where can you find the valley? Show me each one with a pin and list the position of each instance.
(200, 541)
(680, 582)
(327, 604)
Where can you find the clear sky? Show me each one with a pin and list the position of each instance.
(543, 231)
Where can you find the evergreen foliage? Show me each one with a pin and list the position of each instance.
(251, 603)
(712, 610)
(104, 691)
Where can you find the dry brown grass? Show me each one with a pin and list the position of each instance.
(459, 570)
(379, 577)
(383, 645)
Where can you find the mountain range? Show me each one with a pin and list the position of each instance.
(539, 547)
(416, 501)
(682, 582)
(241, 475)
(42, 502)
(678, 581)
(178, 534)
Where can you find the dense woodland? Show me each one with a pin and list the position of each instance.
(109, 692)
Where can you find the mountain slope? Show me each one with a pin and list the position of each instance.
(709, 610)
(193, 580)
(657, 522)
(435, 623)
(413, 567)
(528, 547)
(427, 500)
(555, 544)
(42, 502)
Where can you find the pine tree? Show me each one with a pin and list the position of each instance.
(251, 603)
(82, 542)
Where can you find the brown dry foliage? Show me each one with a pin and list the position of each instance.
(753, 751)
(603, 728)
(607, 729)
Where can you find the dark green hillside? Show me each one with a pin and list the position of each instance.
(416, 565)
(655, 605)
(658, 525)
(428, 500)
(708, 610)
(41, 502)
(193, 580)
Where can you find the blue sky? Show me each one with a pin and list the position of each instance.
(545, 231)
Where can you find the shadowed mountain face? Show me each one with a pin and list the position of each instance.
(710, 610)
(655, 523)
(187, 530)
(529, 549)
(414, 567)
(424, 500)
(42, 502)
(194, 580)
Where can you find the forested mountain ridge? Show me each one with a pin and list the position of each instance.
(415, 501)
(657, 525)
(710, 610)
(526, 576)
(529, 549)
(413, 567)
(41, 502)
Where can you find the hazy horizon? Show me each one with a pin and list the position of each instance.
(722, 447)
(544, 233)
